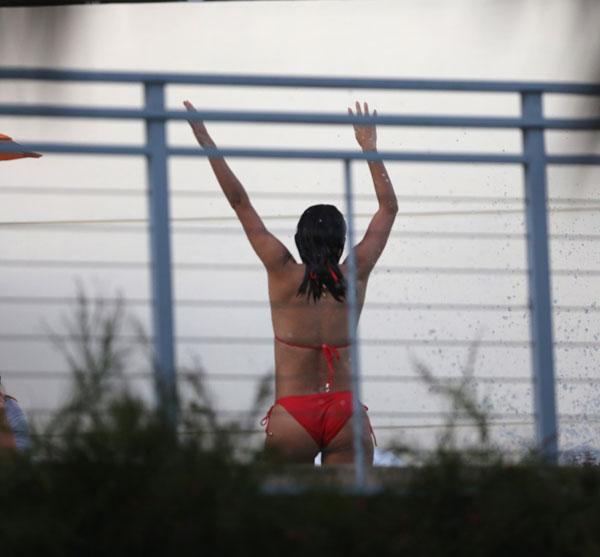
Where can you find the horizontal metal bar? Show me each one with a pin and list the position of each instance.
(77, 149)
(61, 111)
(245, 80)
(315, 154)
(573, 159)
(322, 154)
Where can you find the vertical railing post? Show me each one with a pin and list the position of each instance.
(352, 300)
(539, 280)
(160, 252)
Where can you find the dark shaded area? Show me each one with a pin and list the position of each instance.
(31, 3)
(133, 489)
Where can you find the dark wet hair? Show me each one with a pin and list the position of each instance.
(320, 239)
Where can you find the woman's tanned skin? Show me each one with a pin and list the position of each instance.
(297, 319)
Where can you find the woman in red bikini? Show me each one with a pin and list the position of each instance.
(313, 407)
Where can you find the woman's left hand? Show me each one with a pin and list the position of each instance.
(366, 135)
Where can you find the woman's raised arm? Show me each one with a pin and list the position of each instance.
(369, 249)
(269, 249)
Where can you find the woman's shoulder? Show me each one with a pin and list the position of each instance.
(288, 271)
(284, 283)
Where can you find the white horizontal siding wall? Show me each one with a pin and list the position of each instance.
(457, 241)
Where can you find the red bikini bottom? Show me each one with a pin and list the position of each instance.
(322, 415)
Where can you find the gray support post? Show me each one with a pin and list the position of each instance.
(539, 281)
(160, 251)
(357, 411)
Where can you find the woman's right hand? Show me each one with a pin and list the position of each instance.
(366, 135)
(198, 128)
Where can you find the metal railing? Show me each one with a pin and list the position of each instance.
(533, 159)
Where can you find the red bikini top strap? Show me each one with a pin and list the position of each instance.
(308, 346)
(330, 353)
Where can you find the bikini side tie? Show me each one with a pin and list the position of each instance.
(265, 421)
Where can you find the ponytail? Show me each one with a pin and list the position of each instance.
(320, 278)
(320, 240)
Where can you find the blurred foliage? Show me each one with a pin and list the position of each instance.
(108, 476)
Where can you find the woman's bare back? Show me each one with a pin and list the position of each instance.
(299, 320)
